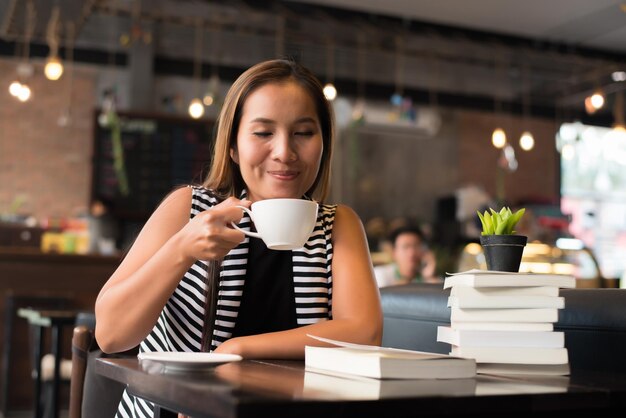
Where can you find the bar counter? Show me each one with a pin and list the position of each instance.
(27, 272)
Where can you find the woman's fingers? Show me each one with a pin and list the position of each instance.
(217, 236)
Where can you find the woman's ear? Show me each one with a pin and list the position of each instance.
(234, 155)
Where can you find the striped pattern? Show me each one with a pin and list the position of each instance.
(179, 327)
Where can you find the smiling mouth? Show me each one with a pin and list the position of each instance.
(284, 175)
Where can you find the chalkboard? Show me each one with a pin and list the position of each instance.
(160, 153)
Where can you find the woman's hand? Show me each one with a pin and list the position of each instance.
(209, 235)
(231, 346)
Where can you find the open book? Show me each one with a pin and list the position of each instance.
(384, 363)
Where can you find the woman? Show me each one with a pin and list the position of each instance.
(193, 283)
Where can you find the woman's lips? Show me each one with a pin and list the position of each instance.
(283, 174)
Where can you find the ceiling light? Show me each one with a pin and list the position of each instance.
(53, 69)
(526, 141)
(208, 99)
(618, 76)
(498, 138)
(597, 100)
(15, 88)
(330, 91)
(24, 93)
(196, 109)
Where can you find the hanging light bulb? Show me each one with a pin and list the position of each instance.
(618, 76)
(15, 88)
(196, 108)
(498, 138)
(24, 93)
(54, 68)
(330, 91)
(597, 100)
(527, 141)
(208, 99)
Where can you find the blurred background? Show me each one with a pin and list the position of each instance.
(443, 108)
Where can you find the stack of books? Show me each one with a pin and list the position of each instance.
(505, 321)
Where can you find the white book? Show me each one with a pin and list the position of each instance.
(504, 315)
(512, 355)
(385, 363)
(486, 278)
(524, 369)
(504, 291)
(551, 384)
(469, 338)
(504, 326)
(322, 385)
(507, 301)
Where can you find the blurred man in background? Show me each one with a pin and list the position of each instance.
(413, 261)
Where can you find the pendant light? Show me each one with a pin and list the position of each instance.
(54, 67)
(526, 141)
(213, 89)
(498, 136)
(329, 88)
(19, 87)
(196, 107)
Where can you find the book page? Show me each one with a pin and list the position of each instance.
(384, 350)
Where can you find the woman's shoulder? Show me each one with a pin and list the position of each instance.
(202, 197)
(345, 212)
(340, 216)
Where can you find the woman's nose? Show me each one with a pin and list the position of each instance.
(283, 149)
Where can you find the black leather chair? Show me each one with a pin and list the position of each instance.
(594, 322)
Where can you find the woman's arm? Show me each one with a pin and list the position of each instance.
(357, 314)
(130, 302)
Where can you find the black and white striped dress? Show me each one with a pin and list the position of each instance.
(179, 327)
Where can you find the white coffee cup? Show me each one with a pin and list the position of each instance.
(283, 224)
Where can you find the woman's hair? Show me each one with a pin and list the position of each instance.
(224, 178)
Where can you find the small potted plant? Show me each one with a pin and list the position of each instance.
(502, 247)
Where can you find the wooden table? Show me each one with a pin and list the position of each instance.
(55, 320)
(283, 389)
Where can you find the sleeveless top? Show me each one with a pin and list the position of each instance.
(179, 326)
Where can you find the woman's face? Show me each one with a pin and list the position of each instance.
(279, 142)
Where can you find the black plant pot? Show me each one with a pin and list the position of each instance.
(503, 252)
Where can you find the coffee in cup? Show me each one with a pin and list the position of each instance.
(283, 224)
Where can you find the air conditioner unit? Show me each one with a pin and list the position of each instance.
(384, 119)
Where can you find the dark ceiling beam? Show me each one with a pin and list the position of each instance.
(82, 55)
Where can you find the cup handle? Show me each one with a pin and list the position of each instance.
(249, 233)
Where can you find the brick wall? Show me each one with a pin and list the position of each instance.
(49, 165)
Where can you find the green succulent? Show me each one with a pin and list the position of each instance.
(500, 223)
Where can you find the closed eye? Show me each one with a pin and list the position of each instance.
(304, 133)
(262, 134)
